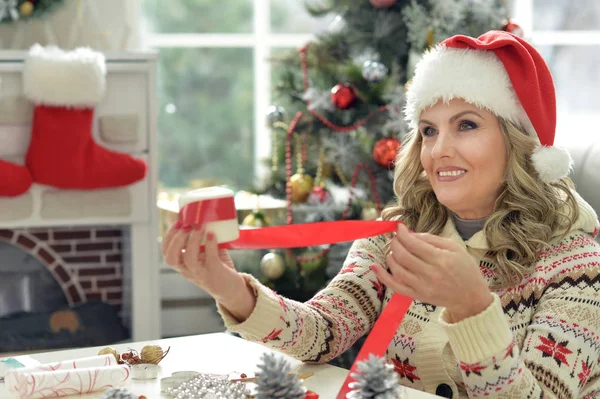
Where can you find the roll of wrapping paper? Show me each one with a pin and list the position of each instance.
(58, 383)
(84, 362)
(196, 212)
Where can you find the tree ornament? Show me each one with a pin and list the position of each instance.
(319, 195)
(256, 219)
(272, 265)
(119, 393)
(374, 71)
(275, 113)
(375, 379)
(369, 212)
(26, 8)
(275, 381)
(301, 185)
(382, 3)
(385, 151)
(343, 96)
(511, 27)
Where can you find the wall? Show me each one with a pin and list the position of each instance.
(108, 25)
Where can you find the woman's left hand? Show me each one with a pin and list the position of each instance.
(437, 271)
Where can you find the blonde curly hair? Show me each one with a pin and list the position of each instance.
(527, 214)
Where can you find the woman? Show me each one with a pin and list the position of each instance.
(500, 257)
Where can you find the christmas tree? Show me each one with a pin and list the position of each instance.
(337, 122)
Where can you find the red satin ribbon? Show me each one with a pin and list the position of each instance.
(309, 234)
(306, 235)
(380, 336)
(209, 210)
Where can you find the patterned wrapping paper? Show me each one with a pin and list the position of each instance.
(84, 362)
(71, 377)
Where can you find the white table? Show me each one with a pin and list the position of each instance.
(212, 353)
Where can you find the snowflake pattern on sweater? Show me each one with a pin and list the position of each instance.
(538, 339)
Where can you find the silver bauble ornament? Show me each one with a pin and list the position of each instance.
(374, 71)
(275, 113)
(272, 265)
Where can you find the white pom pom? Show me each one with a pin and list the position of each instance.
(551, 163)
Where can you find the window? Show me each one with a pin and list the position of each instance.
(567, 33)
(215, 79)
(214, 82)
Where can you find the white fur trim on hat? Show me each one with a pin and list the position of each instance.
(476, 76)
(551, 163)
(53, 76)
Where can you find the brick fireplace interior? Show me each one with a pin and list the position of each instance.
(63, 287)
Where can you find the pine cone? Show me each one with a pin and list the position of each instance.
(375, 379)
(275, 382)
(118, 393)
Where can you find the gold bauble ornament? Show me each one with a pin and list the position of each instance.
(256, 219)
(369, 213)
(26, 9)
(110, 351)
(152, 354)
(302, 185)
(272, 265)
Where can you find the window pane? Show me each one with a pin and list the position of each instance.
(198, 16)
(577, 79)
(566, 14)
(290, 16)
(206, 116)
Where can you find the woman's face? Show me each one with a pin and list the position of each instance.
(464, 155)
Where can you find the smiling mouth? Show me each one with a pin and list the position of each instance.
(451, 173)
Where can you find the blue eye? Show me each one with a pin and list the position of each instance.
(428, 131)
(468, 125)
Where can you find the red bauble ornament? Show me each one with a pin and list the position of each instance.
(385, 151)
(343, 96)
(383, 3)
(511, 27)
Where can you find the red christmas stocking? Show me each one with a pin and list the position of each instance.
(14, 179)
(66, 86)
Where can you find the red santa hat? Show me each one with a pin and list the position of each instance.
(502, 73)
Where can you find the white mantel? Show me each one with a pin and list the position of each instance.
(130, 94)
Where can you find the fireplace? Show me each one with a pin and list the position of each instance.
(61, 287)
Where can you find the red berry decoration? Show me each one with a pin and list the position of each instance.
(385, 151)
(343, 96)
(382, 3)
(319, 195)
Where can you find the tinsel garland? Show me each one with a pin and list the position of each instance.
(12, 11)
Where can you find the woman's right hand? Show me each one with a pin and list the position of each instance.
(211, 269)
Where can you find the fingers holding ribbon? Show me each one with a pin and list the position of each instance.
(174, 249)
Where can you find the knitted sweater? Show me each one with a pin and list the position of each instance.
(538, 339)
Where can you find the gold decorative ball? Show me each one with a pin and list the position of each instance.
(272, 265)
(369, 213)
(110, 351)
(256, 219)
(302, 185)
(26, 8)
(151, 354)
